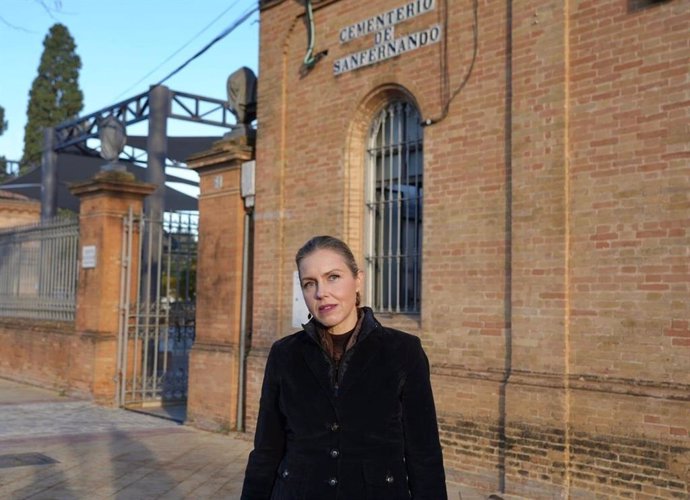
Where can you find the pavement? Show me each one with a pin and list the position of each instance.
(54, 447)
(59, 448)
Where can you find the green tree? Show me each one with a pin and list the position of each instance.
(55, 95)
(3, 122)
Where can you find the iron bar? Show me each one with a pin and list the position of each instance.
(405, 286)
(398, 206)
(38, 270)
(156, 327)
(168, 310)
(122, 309)
(137, 313)
(379, 226)
(147, 309)
(127, 305)
(389, 221)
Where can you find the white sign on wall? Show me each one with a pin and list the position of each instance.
(386, 45)
(88, 256)
(299, 307)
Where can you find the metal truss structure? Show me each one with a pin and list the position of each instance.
(155, 106)
(74, 134)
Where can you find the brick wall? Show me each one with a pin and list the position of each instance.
(47, 354)
(556, 283)
(17, 210)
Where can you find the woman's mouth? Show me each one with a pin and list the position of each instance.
(327, 308)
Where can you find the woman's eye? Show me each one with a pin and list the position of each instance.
(307, 284)
(333, 277)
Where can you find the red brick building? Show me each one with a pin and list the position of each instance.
(534, 231)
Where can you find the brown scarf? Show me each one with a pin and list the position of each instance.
(327, 339)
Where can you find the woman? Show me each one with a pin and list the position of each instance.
(346, 406)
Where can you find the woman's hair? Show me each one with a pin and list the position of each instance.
(328, 243)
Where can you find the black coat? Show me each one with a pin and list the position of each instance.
(370, 434)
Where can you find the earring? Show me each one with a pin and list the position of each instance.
(358, 299)
(309, 316)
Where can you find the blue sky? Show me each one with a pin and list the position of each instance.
(119, 42)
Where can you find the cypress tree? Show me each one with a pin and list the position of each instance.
(3, 127)
(3, 122)
(55, 95)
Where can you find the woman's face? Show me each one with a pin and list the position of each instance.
(330, 290)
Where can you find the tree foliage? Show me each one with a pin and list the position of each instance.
(3, 161)
(55, 95)
(3, 122)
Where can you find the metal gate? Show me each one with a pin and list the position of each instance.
(157, 309)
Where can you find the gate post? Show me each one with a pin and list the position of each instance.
(104, 202)
(214, 360)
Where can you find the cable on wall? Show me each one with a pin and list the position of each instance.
(445, 77)
(310, 59)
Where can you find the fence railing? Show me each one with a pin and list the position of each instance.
(38, 270)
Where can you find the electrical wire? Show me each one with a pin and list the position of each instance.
(475, 38)
(222, 35)
(14, 26)
(203, 30)
(309, 59)
(48, 10)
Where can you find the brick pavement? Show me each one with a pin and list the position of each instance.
(106, 453)
(91, 452)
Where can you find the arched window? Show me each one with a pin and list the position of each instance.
(394, 209)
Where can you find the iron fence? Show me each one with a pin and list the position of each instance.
(38, 270)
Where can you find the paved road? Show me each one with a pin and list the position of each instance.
(89, 452)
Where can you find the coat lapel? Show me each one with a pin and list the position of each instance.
(363, 356)
(316, 360)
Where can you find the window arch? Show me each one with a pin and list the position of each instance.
(395, 168)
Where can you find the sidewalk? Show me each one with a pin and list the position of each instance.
(58, 448)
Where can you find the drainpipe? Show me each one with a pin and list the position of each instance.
(247, 192)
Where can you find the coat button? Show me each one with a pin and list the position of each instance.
(335, 426)
(285, 473)
(332, 481)
(335, 453)
(390, 479)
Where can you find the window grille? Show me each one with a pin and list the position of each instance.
(394, 209)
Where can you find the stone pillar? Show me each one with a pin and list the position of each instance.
(214, 359)
(104, 201)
